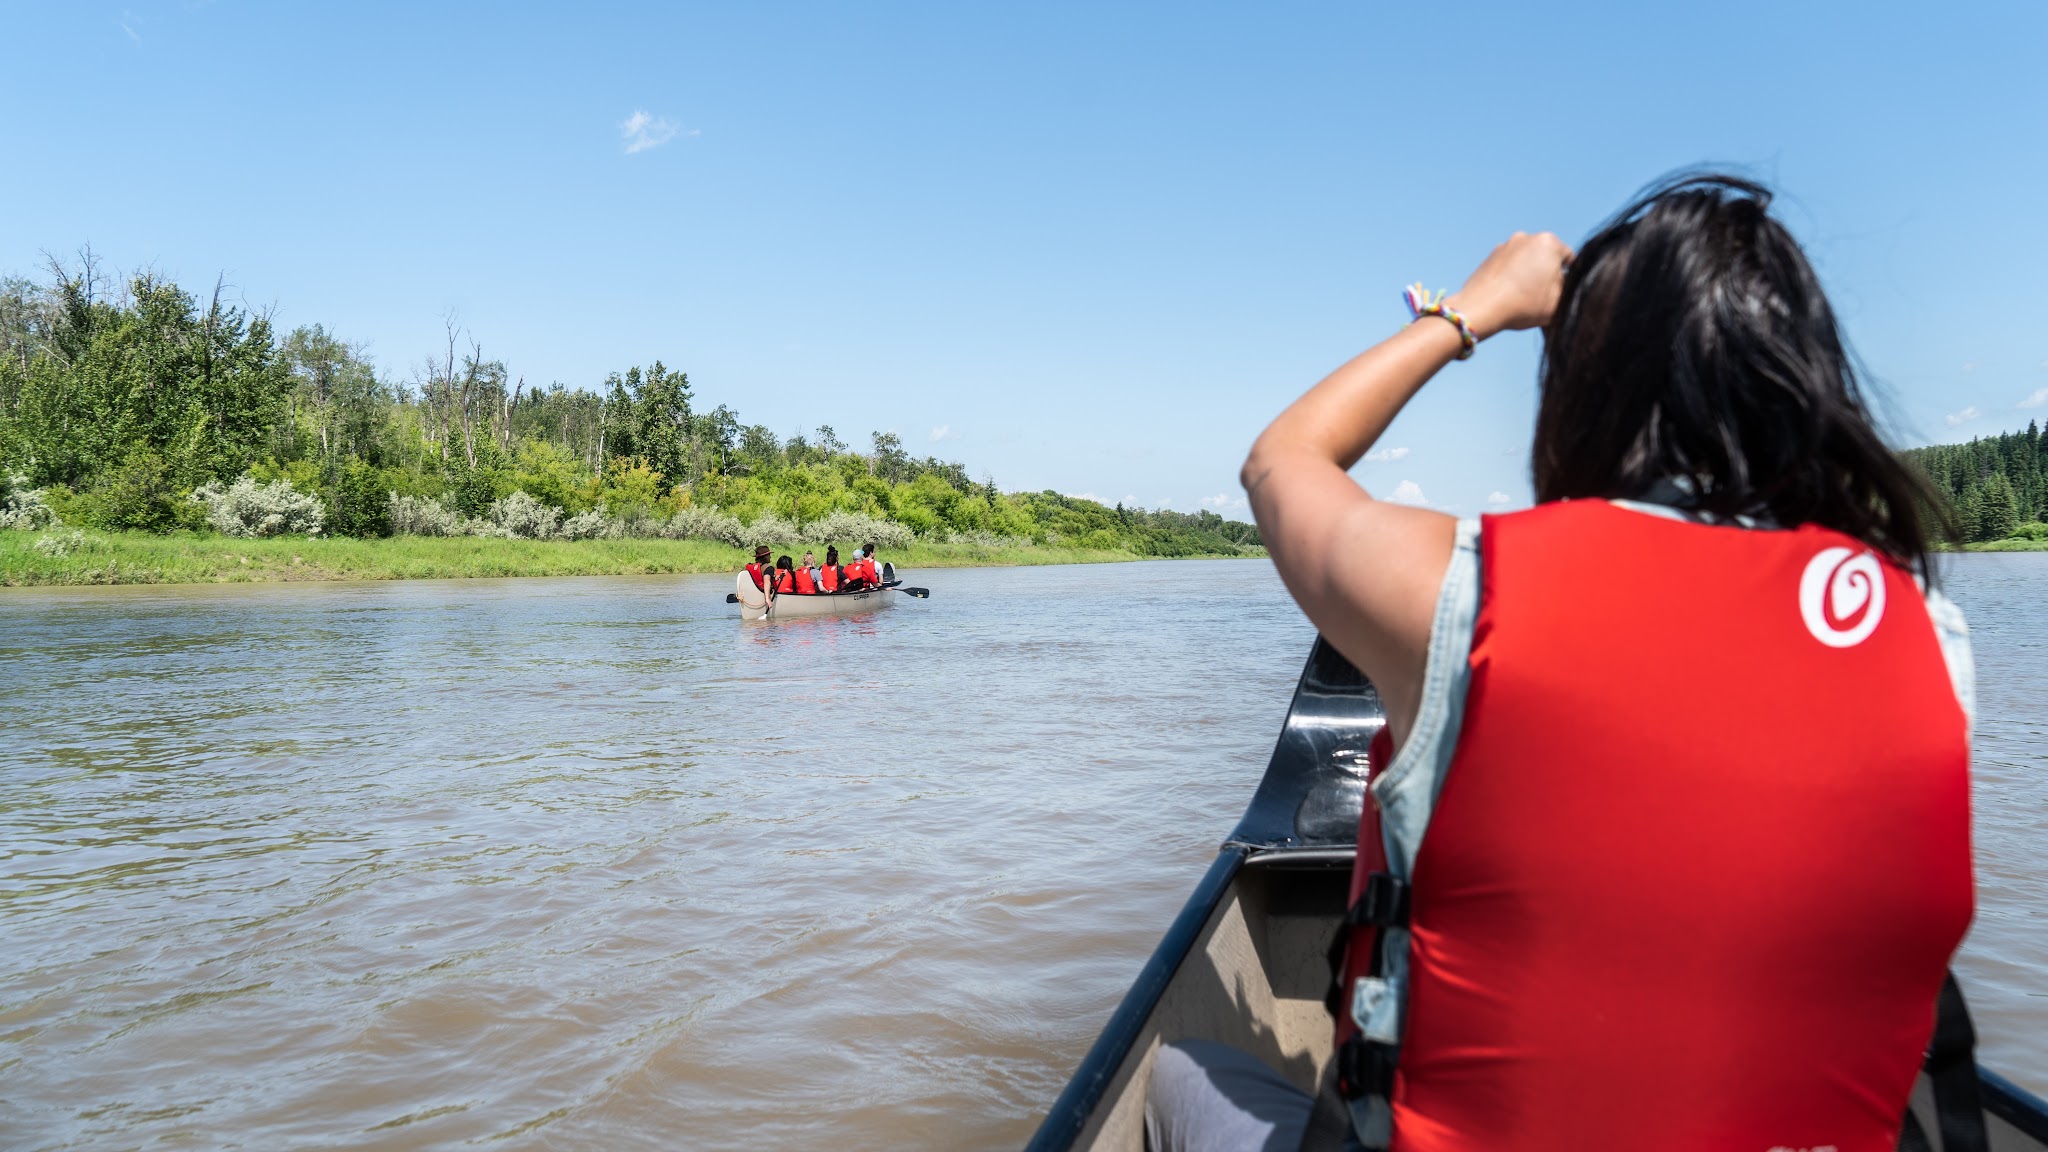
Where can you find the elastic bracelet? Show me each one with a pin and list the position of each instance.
(1421, 303)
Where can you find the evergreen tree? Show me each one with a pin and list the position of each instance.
(1999, 513)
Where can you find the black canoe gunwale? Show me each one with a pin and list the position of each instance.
(1297, 818)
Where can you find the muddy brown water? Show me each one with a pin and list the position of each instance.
(587, 864)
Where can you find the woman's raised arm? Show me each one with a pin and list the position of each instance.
(1366, 571)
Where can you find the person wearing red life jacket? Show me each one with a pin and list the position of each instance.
(785, 577)
(806, 583)
(760, 564)
(1599, 902)
(830, 575)
(856, 575)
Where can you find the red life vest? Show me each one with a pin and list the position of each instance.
(804, 586)
(784, 582)
(754, 570)
(1702, 852)
(828, 578)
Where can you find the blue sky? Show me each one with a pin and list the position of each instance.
(1085, 247)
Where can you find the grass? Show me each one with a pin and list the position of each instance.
(69, 556)
(2011, 544)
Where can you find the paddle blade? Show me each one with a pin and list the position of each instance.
(920, 593)
(732, 597)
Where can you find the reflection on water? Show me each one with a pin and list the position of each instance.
(587, 863)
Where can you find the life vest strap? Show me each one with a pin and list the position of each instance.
(1952, 1073)
(1383, 904)
(1366, 1068)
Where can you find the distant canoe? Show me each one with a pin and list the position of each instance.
(752, 604)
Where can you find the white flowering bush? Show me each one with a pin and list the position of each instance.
(22, 508)
(704, 524)
(246, 508)
(523, 516)
(60, 543)
(425, 516)
(592, 525)
(770, 529)
(854, 529)
(981, 538)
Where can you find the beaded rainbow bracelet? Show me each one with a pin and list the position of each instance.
(1422, 303)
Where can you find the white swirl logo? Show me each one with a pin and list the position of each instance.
(1841, 596)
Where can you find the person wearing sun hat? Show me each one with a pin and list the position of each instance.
(763, 557)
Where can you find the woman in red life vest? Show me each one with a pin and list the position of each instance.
(757, 569)
(805, 584)
(785, 577)
(829, 575)
(1678, 789)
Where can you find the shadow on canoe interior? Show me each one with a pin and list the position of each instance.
(1255, 978)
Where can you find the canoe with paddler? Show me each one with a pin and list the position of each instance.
(755, 602)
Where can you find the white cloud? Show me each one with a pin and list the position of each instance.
(1970, 367)
(1498, 499)
(1408, 492)
(643, 130)
(1083, 496)
(1223, 500)
(1963, 417)
(2035, 399)
(1386, 455)
(128, 22)
(1165, 501)
(944, 432)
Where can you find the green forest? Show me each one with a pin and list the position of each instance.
(1997, 485)
(139, 405)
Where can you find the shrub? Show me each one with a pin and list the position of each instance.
(22, 507)
(424, 516)
(771, 529)
(522, 516)
(60, 543)
(2031, 530)
(472, 490)
(985, 539)
(704, 524)
(246, 508)
(854, 528)
(357, 503)
(586, 526)
(140, 493)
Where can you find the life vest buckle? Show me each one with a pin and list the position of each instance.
(1383, 904)
(1366, 1068)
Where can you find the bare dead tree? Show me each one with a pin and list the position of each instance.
(505, 407)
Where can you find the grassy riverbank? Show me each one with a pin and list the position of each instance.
(67, 556)
(2019, 544)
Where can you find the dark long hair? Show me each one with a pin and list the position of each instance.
(1693, 343)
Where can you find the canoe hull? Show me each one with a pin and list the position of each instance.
(753, 606)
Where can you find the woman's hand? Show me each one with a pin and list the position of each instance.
(1517, 287)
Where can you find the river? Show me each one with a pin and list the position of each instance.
(588, 864)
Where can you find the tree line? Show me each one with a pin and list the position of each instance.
(1997, 486)
(119, 399)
